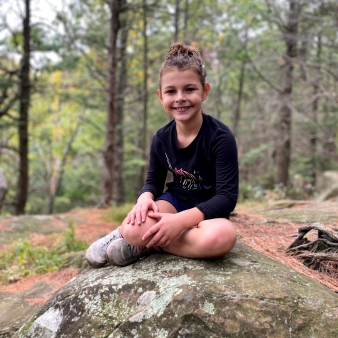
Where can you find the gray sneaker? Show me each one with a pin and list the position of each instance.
(96, 254)
(121, 253)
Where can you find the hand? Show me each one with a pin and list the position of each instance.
(139, 212)
(164, 231)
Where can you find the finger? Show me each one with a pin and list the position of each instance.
(161, 242)
(155, 215)
(129, 217)
(157, 240)
(153, 230)
(143, 215)
(153, 242)
(154, 206)
(138, 216)
(165, 244)
(133, 217)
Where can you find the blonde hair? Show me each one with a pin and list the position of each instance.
(184, 57)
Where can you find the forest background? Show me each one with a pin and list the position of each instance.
(78, 105)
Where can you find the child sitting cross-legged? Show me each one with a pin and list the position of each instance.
(191, 218)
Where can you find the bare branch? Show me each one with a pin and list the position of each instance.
(259, 73)
(9, 105)
(96, 126)
(10, 153)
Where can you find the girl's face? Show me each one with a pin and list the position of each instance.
(182, 94)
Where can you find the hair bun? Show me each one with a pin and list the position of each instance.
(184, 57)
(179, 49)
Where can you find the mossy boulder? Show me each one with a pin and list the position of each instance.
(244, 294)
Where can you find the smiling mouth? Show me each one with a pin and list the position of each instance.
(181, 109)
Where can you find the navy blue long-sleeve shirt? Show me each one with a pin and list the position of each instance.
(205, 173)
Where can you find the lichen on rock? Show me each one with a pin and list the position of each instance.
(244, 294)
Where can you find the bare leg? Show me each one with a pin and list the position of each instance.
(133, 233)
(210, 238)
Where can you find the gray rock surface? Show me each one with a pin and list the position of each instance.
(16, 310)
(327, 185)
(3, 187)
(17, 307)
(244, 294)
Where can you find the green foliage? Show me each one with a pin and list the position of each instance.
(72, 88)
(250, 192)
(257, 193)
(255, 155)
(70, 243)
(6, 83)
(81, 185)
(23, 258)
(34, 259)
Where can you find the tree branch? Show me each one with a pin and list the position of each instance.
(9, 105)
(259, 73)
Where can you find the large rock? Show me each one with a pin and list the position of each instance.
(327, 185)
(244, 294)
(3, 187)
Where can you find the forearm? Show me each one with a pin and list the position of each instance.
(219, 206)
(169, 226)
(189, 218)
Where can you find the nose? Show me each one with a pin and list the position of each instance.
(180, 96)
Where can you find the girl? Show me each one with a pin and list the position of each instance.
(191, 218)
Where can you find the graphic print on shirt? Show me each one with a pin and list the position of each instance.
(188, 181)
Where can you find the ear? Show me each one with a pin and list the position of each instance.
(206, 90)
(159, 95)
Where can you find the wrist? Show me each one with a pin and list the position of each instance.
(189, 218)
(146, 194)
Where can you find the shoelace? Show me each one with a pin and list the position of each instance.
(108, 240)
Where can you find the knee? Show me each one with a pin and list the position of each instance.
(132, 234)
(221, 240)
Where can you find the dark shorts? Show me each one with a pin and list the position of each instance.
(169, 197)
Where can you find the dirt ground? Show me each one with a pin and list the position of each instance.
(272, 236)
(269, 230)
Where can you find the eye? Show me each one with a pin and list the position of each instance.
(190, 89)
(170, 91)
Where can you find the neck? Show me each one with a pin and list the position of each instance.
(190, 127)
(187, 132)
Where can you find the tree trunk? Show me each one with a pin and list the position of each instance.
(143, 132)
(237, 111)
(23, 179)
(186, 20)
(329, 144)
(283, 147)
(177, 20)
(61, 171)
(314, 119)
(110, 137)
(119, 187)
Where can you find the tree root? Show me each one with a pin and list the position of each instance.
(320, 254)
